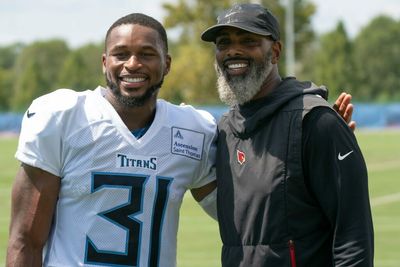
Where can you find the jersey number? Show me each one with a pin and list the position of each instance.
(122, 216)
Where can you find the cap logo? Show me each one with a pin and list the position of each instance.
(231, 13)
(241, 157)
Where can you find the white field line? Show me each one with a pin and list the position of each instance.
(377, 201)
(383, 165)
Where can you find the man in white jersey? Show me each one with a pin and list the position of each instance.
(104, 172)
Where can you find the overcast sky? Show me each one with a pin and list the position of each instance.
(82, 21)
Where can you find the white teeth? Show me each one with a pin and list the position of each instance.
(133, 80)
(237, 66)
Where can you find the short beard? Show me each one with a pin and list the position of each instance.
(241, 89)
(133, 101)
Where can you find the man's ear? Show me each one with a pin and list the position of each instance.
(167, 68)
(103, 59)
(276, 52)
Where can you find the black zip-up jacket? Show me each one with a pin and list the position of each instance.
(292, 184)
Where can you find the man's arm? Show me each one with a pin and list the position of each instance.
(345, 109)
(33, 200)
(207, 198)
(337, 176)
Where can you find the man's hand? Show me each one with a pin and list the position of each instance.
(344, 107)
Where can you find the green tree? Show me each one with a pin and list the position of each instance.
(44, 59)
(8, 55)
(376, 57)
(192, 78)
(189, 80)
(5, 89)
(31, 79)
(304, 34)
(331, 63)
(192, 17)
(82, 68)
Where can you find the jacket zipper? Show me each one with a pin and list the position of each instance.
(292, 253)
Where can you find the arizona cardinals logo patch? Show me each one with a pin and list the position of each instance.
(241, 157)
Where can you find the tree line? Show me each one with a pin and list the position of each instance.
(366, 65)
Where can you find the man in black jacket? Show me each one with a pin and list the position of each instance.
(292, 181)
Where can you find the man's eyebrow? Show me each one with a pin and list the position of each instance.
(122, 47)
(118, 47)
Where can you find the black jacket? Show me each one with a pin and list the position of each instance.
(289, 194)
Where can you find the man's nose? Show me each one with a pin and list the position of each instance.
(234, 49)
(133, 62)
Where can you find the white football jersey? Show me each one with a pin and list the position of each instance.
(120, 196)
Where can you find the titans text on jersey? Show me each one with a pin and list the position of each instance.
(136, 162)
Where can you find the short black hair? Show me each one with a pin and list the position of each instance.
(140, 19)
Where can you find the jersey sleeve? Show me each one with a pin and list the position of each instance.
(337, 177)
(207, 172)
(40, 142)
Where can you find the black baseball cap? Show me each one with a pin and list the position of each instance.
(249, 17)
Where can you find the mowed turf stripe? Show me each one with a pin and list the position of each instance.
(388, 199)
(383, 166)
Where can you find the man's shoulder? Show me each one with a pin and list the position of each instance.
(306, 102)
(62, 105)
(187, 114)
(58, 100)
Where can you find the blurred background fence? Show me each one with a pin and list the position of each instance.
(366, 115)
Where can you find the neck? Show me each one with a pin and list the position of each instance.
(270, 83)
(134, 117)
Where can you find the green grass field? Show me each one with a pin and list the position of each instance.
(198, 239)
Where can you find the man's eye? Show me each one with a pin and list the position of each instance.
(249, 41)
(222, 44)
(147, 54)
(121, 55)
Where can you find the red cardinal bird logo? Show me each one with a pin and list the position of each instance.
(241, 157)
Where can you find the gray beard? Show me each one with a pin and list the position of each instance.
(132, 102)
(241, 89)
